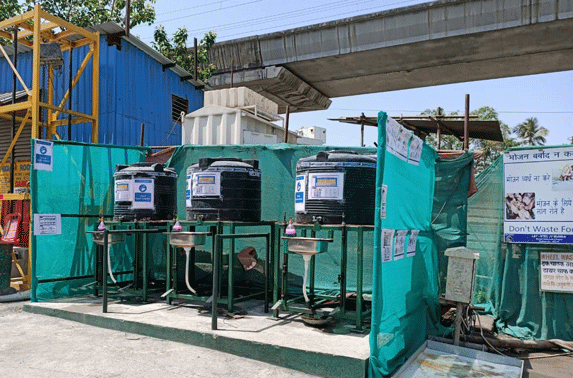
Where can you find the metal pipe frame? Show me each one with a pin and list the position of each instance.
(217, 228)
(101, 260)
(217, 257)
(294, 305)
(38, 26)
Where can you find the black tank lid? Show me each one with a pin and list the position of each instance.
(338, 156)
(205, 163)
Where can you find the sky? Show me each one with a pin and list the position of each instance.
(548, 97)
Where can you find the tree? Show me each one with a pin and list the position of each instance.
(9, 8)
(531, 132)
(491, 149)
(85, 13)
(176, 49)
(447, 142)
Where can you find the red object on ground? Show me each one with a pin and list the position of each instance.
(21, 208)
(11, 223)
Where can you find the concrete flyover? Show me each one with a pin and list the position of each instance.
(441, 42)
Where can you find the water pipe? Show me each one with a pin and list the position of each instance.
(187, 249)
(306, 259)
(109, 265)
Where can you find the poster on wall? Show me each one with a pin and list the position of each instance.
(538, 196)
(556, 272)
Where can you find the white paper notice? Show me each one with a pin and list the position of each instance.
(387, 236)
(326, 186)
(415, 154)
(206, 184)
(43, 155)
(47, 224)
(399, 242)
(383, 208)
(556, 271)
(411, 249)
(392, 135)
(402, 143)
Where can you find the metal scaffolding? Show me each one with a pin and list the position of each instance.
(30, 30)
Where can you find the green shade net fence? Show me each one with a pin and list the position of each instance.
(278, 169)
(80, 184)
(507, 275)
(430, 197)
(405, 291)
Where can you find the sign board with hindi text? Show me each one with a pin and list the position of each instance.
(538, 196)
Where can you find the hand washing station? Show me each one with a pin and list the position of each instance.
(307, 248)
(187, 240)
(108, 237)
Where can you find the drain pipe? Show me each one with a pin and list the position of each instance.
(306, 259)
(16, 297)
(187, 249)
(110, 271)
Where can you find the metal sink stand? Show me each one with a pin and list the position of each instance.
(293, 304)
(217, 231)
(102, 259)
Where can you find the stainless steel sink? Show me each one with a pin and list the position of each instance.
(307, 246)
(187, 239)
(111, 238)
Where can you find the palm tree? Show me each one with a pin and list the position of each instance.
(530, 132)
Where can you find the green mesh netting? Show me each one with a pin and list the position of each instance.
(404, 292)
(278, 169)
(507, 277)
(81, 183)
(449, 216)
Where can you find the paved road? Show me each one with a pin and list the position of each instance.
(41, 346)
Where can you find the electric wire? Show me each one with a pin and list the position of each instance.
(281, 16)
(193, 7)
(505, 354)
(209, 11)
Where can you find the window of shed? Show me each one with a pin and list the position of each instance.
(178, 105)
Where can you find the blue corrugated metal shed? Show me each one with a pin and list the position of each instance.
(134, 89)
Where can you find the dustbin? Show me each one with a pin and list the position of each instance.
(5, 268)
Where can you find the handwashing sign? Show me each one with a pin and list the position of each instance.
(299, 193)
(139, 192)
(538, 198)
(43, 155)
(143, 190)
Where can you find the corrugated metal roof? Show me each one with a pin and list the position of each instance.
(6, 98)
(113, 28)
(480, 129)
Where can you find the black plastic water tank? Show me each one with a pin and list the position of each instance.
(335, 186)
(226, 189)
(145, 191)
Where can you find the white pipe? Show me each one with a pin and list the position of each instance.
(306, 259)
(187, 249)
(109, 264)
